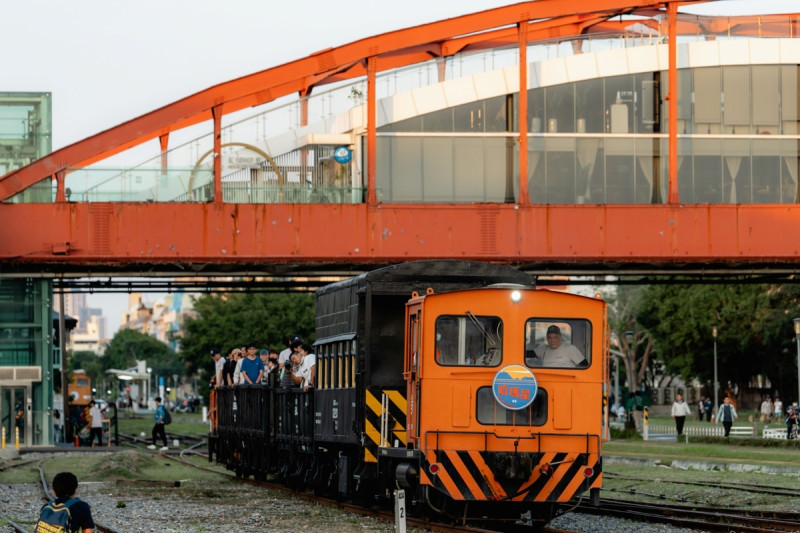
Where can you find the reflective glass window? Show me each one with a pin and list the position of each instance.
(465, 340)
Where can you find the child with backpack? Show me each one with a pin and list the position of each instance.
(65, 514)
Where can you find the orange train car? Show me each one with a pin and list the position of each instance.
(504, 401)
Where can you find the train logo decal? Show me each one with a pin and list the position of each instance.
(514, 387)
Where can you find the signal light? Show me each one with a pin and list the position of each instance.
(588, 471)
(434, 468)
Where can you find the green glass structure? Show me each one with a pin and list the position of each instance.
(28, 359)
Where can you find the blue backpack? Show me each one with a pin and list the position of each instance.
(55, 517)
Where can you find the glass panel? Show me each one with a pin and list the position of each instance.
(707, 93)
(560, 109)
(437, 170)
(558, 343)
(766, 88)
(736, 83)
(469, 340)
(469, 117)
(588, 106)
(140, 185)
(790, 96)
(497, 114)
(12, 413)
(620, 102)
(490, 412)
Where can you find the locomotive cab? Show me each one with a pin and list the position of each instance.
(504, 392)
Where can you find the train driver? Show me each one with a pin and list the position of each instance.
(558, 354)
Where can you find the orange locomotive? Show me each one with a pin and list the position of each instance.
(504, 402)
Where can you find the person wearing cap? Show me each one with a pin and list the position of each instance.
(558, 354)
(252, 367)
(219, 364)
(291, 344)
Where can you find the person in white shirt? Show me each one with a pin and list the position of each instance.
(96, 424)
(680, 410)
(219, 363)
(307, 367)
(557, 354)
(777, 405)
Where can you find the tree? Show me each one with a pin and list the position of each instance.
(638, 353)
(230, 320)
(129, 346)
(754, 325)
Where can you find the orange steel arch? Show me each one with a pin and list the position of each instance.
(544, 19)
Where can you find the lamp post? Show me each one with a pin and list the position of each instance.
(714, 332)
(149, 384)
(629, 338)
(797, 336)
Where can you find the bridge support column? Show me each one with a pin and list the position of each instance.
(216, 113)
(372, 132)
(672, 30)
(523, 113)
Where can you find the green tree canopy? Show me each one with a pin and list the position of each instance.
(230, 320)
(129, 346)
(755, 335)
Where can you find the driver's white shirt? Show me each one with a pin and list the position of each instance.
(565, 355)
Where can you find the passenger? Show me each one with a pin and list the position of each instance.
(766, 410)
(287, 371)
(291, 344)
(65, 486)
(264, 356)
(306, 367)
(273, 368)
(228, 369)
(557, 354)
(219, 364)
(251, 368)
(680, 410)
(158, 427)
(95, 424)
(236, 375)
(727, 414)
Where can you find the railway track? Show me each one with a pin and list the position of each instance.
(388, 516)
(744, 487)
(701, 518)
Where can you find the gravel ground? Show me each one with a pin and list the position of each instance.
(241, 508)
(224, 504)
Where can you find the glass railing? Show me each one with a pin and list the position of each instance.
(137, 185)
(291, 194)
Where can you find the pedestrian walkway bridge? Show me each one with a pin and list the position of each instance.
(645, 140)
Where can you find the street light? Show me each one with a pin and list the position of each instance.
(797, 336)
(149, 386)
(714, 333)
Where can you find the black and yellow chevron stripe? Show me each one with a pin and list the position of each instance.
(465, 475)
(372, 420)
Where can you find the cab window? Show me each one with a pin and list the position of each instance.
(558, 342)
(466, 340)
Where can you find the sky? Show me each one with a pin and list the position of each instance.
(108, 62)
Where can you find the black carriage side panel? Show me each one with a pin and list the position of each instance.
(370, 308)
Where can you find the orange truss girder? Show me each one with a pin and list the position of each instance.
(165, 235)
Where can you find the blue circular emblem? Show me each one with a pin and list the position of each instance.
(342, 154)
(514, 387)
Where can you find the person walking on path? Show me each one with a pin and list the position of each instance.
(58, 427)
(726, 414)
(96, 424)
(766, 410)
(791, 419)
(158, 428)
(777, 409)
(680, 410)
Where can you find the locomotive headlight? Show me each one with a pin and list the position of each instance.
(516, 296)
